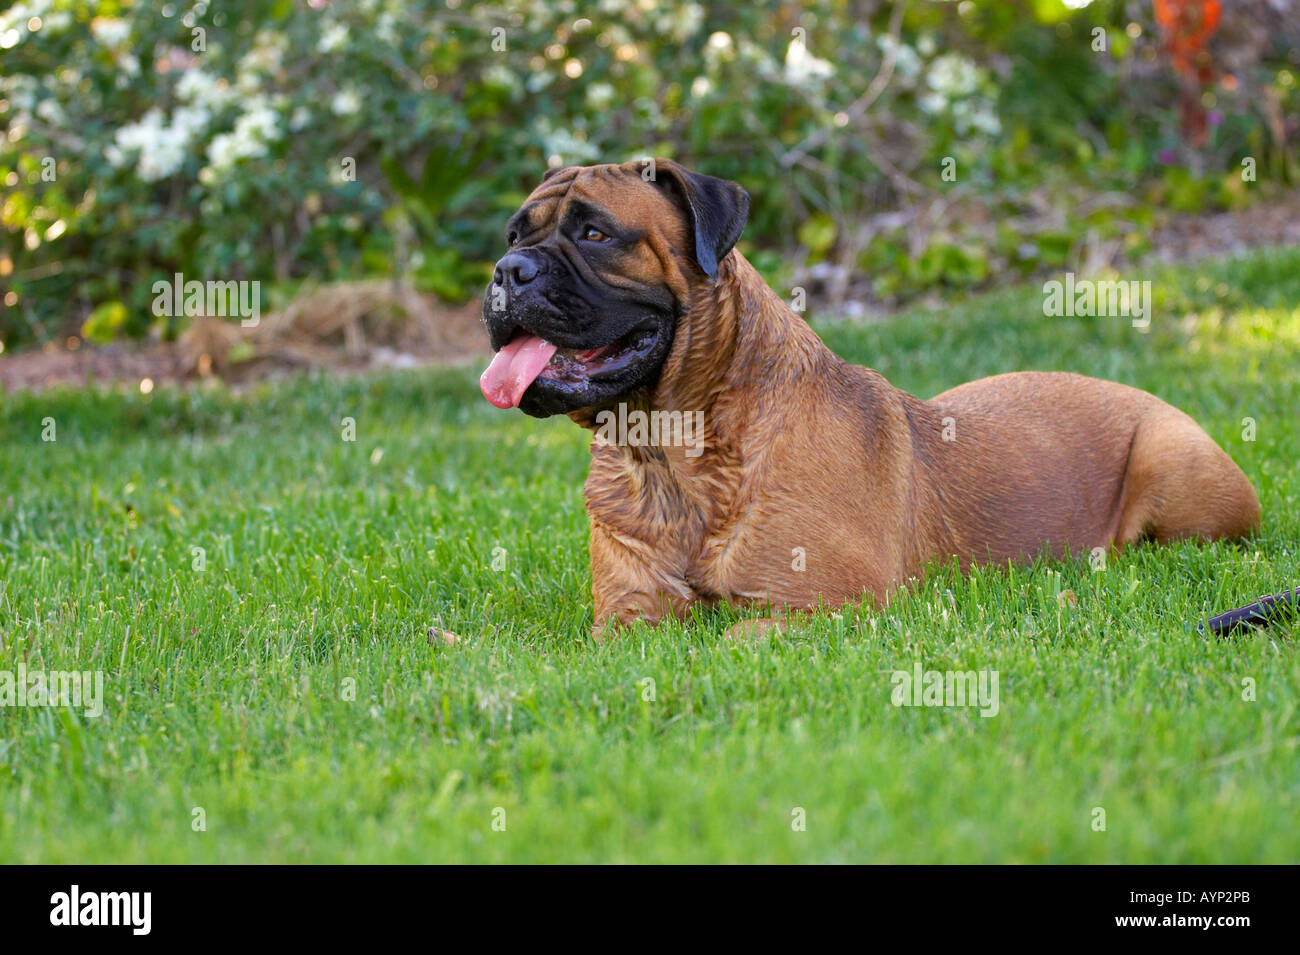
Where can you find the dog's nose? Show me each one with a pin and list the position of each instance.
(520, 269)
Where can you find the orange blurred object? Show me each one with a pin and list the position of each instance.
(1188, 26)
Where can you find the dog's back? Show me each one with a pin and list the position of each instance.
(1056, 461)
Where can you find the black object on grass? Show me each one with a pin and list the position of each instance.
(1262, 612)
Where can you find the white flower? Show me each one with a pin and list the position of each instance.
(345, 102)
(263, 58)
(983, 119)
(907, 62)
(933, 102)
(266, 52)
(223, 152)
(141, 134)
(682, 22)
(160, 148)
(112, 32)
(333, 36)
(802, 67)
(192, 85)
(257, 127)
(599, 95)
(572, 147)
(259, 122)
(954, 75)
(192, 120)
(161, 161)
(500, 76)
(953, 80)
(200, 88)
(50, 111)
(57, 22)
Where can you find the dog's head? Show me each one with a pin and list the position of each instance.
(602, 263)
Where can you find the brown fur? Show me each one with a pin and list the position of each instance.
(803, 450)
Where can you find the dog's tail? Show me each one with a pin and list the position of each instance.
(1264, 611)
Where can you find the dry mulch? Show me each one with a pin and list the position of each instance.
(1189, 238)
(345, 326)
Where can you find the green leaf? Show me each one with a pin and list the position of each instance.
(105, 323)
(818, 234)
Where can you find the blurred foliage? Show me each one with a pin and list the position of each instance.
(290, 142)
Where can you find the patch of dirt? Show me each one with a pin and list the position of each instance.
(345, 326)
(1188, 238)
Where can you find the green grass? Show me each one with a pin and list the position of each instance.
(326, 561)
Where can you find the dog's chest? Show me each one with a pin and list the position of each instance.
(711, 533)
(677, 528)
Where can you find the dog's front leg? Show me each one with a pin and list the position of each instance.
(631, 581)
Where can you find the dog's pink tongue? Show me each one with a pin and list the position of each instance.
(513, 370)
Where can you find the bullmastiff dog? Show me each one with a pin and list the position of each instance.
(810, 481)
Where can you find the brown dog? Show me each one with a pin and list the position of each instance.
(816, 481)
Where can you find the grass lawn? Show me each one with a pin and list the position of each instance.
(288, 688)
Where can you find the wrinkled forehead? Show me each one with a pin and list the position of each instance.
(615, 194)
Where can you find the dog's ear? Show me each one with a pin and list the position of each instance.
(555, 171)
(717, 209)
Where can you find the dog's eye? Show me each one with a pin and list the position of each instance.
(512, 238)
(592, 234)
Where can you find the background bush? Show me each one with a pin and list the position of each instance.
(287, 141)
